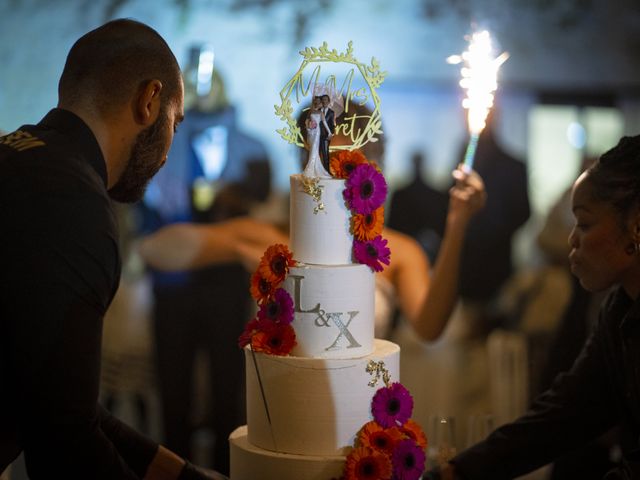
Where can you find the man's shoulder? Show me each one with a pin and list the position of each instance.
(50, 187)
(21, 140)
(35, 164)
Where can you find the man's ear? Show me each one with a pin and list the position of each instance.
(146, 105)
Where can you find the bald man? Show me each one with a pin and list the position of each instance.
(120, 101)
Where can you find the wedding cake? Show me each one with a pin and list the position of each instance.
(316, 406)
(304, 410)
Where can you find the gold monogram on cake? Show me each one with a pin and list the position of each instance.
(311, 186)
(377, 370)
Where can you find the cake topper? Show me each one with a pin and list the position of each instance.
(320, 126)
(337, 79)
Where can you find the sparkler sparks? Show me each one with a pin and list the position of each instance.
(479, 79)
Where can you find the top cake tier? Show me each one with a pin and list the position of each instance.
(320, 236)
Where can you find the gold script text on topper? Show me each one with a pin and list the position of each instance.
(358, 86)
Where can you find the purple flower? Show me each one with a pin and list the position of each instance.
(408, 460)
(365, 189)
(392, 406)
(278, 309)
(372, 252)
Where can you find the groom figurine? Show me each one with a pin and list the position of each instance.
(325, 136)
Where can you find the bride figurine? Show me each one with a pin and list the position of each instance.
(314, 167)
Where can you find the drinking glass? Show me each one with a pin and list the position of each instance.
(441, 440)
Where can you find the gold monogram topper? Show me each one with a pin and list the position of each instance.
(376, 370)
(351, 83)
(312, 187)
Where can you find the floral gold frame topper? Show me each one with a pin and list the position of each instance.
(314, 59)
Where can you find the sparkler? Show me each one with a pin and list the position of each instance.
(479, 79)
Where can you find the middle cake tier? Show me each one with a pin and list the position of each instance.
(333, 310)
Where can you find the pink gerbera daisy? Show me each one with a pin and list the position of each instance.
(372, 252)
(392, 406)
(408, 460)
(365, 189)
(277, 309)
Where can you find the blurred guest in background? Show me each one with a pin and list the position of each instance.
(216, 172)
(488, 248)
(188, 246)
(427, 223)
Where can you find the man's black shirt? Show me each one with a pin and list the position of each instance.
(59, 270)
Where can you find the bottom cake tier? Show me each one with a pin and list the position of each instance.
(312, 406)
(304, 413)
(251, 463)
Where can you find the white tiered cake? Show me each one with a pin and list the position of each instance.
(304, 410)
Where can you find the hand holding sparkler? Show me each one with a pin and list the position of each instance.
(466, 198)
(479, 79)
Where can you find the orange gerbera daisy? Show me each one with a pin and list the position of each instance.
(375, 165)
(367, 464)
(275, 263)
(261, 289)
(383, 440)
(368, 226)
(274, 338)
(414, 432)
(342, 162)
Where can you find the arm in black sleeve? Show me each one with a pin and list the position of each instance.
(136, 449)
(59, 278)
(576, 409)
(56, 373)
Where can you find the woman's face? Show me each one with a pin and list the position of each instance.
(317, 103)
(599, 244)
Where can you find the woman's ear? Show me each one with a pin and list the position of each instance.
(146, 104)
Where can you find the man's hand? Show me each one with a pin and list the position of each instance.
(166, 465)
(193, 472)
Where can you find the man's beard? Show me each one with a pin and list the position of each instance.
(144, 162)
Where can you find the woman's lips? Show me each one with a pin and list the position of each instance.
(574, 266)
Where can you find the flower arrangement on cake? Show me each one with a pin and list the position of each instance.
(271, 331)
(391, 446)
(364, 194)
